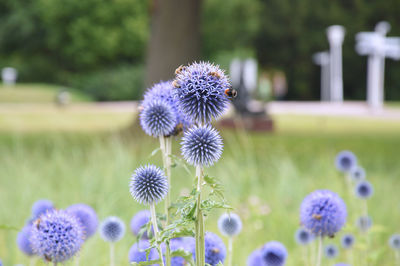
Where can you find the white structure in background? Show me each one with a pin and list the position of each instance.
(9, 75)
(377, 46)
(335, 35)
(322, 59)
(250, 74)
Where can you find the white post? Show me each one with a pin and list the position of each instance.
(382, 28)
(335, 37)
(322, 59)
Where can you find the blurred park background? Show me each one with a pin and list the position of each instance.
(107, 51)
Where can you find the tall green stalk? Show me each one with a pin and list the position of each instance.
(156, 232)
(230, 251)
(166, 147)
(319, 252)
(112, 254)
(200, 248)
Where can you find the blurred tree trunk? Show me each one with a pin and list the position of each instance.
(175, 37)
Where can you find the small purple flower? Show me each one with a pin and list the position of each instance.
(394, 242)
(56, 236)
(345, 161)
(303, 237)
(342, 264)
(331, 251)
(364, 189)
(140, 219)
(364, 223)
(274, 253)
(86, 216)
(357, 173)
(157, 119)
(347, 241)
(40, 207)
(162, 91)
(23, 240)
(149, 184)
(201, 146)
(112, 229)
(200, 90)
(255, 258)
(229, 224)
(137, 252)
(215, 250)
(323, 213)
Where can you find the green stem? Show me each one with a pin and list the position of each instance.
(230, 251)
(165, 146)
(397, 255)
(365, 211)
(319, 254)
(200, 249)
(112, 254)
(77, 260)
(156, 232)
(32, 261)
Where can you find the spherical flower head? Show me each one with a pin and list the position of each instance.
(157, 119)
(200, 90)
(86, 216)
(255, 258)
(342, 264)
(137, 252)
(364, 189)
(364, 223)
(215, 250)
(148, 184)
(274, 253)
(357, 173)
(394, 241)
(23, 240)
(112, 229)
(323, 213)
(229, 224)
(201, 146)
(303, 236)
(40, 207)
(139, 220)
(176, 244)
(56, 236)
(331, 251)
(345, 161)
(162, 91)
(347, 241)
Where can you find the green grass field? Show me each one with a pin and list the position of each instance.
(36, 93)
(265, 176)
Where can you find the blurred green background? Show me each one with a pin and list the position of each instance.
(100, 47)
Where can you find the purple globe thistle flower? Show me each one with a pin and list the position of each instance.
(112, 229)
(137, 252)
(255, 258)
(394, 241)
(139, 220)
(342, 264)
(345, 161)
(157, 119)
(200, 90)
(201, 146)
(274, 253)
(86, 216)
(148, 184)
(331, 251)
(364, 189)
(23, 240)
(229, 224)
(364, 223)
(357, 173)
(323, 213)
(215, 250)
(40, 207)
(162, 91)
(176, 244)
(56, 236)
(347, 241)
(303, 237)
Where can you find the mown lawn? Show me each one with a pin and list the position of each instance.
(266, 176)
